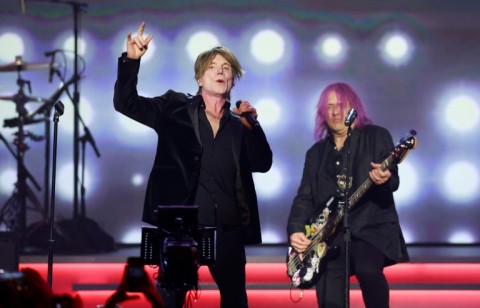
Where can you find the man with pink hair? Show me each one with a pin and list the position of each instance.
(376, 239)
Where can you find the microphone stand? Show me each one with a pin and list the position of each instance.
(346, 223)
(85, 138)
(59, 108)
(77, 9)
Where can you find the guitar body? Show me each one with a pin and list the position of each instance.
(306, 270)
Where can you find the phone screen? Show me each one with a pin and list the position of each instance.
(135, 274)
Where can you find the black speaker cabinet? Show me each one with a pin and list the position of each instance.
(8, 252)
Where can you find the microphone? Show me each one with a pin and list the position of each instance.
(351, 116)
(88, 137)
(59, 108)
(51, 52)
(52, 60)
(250, 118)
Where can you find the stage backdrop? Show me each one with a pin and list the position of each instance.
(414, 64)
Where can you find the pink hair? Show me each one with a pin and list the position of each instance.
(345, 95)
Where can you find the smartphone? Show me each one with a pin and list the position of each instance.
(136, 276)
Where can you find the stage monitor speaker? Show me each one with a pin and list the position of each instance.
(9, 252)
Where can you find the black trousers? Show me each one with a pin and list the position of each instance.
(229, 268)
(366, 263)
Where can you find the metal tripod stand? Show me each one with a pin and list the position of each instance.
(13, 213)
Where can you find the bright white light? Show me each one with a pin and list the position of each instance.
(66, 121)
(15, 45)
(133, 127)
(7, 109)
(132, 133)
(408, 190)
(8, 178)
(461, 181)
(199, 42)
(331, 48)
(270, 236)
(64, 183)
(461, 237)
(269, 112)
(396, 48)
(268, 184)
(121, 39)
(267, 46)
(150, 52)
(133, 236)
(462, 113)
(407, 235)
(137, 179)
(69, 45)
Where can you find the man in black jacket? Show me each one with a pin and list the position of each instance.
(205, 156)
(376, 237)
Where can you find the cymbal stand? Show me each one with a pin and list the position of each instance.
(8, 215)
(16, 206)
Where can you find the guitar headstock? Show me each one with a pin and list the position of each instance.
(406, 144)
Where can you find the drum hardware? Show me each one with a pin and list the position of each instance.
(19, 66)
(15, 97)
(13, 213)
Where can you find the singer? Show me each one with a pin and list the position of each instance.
(206, 154)
(376, 237)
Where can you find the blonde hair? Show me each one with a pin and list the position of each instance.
(205, 59)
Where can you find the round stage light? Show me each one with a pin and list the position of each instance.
(8, 178)
(396, 48)
(199, 42)
(64, 188)
(407, 193)
(461, 181)
(138, 179)
(69, 45)
(15, 45)
(331, 48)
(462, 113)
(268, 185)
(267, 46)
(269, 112)
(66, 121)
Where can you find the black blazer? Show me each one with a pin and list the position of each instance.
(174, 176)
(374, 218)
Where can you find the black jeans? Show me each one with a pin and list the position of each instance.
(229, 268)
(366, 262)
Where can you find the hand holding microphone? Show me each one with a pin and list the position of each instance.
(247, 112)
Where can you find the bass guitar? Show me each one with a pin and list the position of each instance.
(305, 271)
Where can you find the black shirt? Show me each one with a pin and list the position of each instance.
(215, 192)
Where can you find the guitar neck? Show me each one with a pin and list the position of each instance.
(358, 194)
